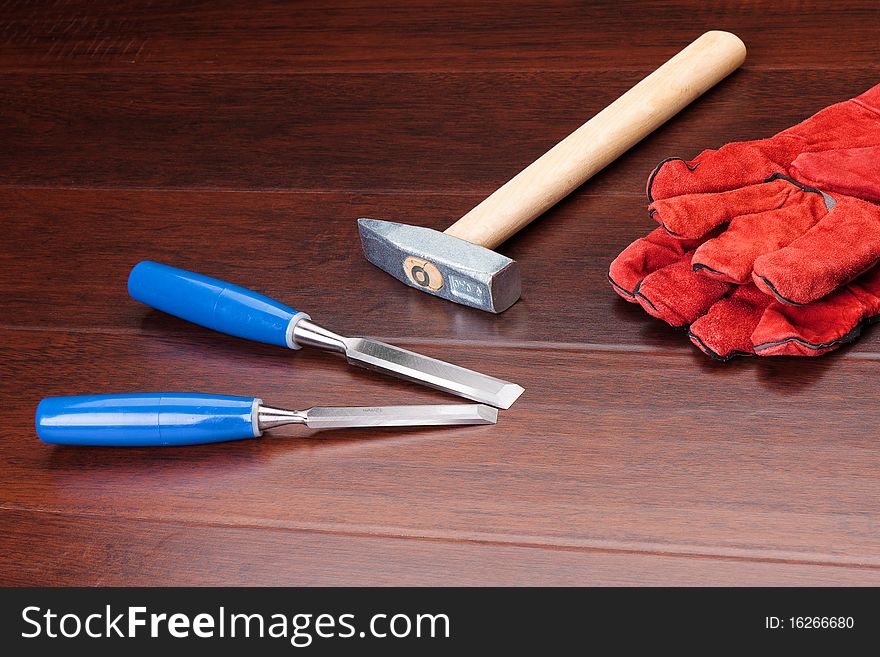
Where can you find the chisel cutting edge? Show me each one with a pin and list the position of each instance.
(238, 311)
(186, 418)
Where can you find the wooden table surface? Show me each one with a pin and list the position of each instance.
(242, 140)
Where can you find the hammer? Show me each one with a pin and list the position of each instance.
(459, 263)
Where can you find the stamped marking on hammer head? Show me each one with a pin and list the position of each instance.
(423, 273)
(442, 265)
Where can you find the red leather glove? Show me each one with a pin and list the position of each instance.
(793, 242)
(779, 329)
(836, 149)
(726, 320)
(782, 237)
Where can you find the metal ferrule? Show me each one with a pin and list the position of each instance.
(308, 333)
(268, 417)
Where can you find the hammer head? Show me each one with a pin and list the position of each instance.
(442, 265)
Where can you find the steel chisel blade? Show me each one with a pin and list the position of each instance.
(330, 417)
(431, 372)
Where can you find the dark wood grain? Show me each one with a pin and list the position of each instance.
(618, 462)
(88, 551)
(419, 35)
(413, 133)
(243, 140)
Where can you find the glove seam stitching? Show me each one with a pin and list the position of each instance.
(867, 107)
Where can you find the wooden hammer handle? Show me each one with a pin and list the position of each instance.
(602, 139)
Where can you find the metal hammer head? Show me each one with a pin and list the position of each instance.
(442, 265)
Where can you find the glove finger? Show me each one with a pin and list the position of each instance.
(731, 256)
(693, 215)
(643, 257)
(731, 166)
(841, 246)
(677, 294)
(851, 124)
(821, 326)
(726, 329)
(850, 171)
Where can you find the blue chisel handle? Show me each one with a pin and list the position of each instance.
(146, 419)
(214, 304)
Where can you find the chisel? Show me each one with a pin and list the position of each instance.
(187, 418)
(243, 313)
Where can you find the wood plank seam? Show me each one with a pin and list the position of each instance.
(414, 342)
(450, 536)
